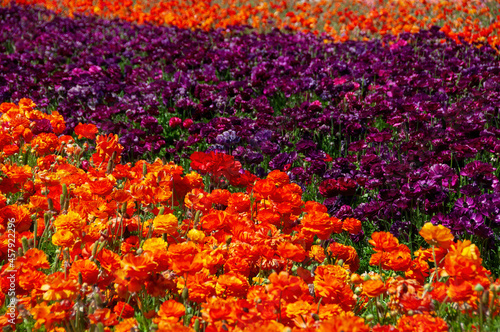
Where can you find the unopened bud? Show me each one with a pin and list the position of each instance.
(185, 294)
(24, 241)
(479, 288)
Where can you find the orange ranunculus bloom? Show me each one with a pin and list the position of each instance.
(87, 268)
(291, 251)
(232, 284)
(317, 253)
(264, 188)
(86, 130)
(287, 287)
(352, 226)
(35, 259)
(422, 323)
(344, 323)
(217, 309)
(165, 224)
(63, 238)
(201, 286)
(171, 308)
(46, 315)
(71, 221)
(45, 143)
(346, 253)
(436, 235)
(383, 241)
(56, 287)
(127, 324)
(334, 290)
(185, 257)
(102, 187)
(123, 310)
(138, 266)
(321, 225)
(279, 178)
(106, 145)
(299, 308)
(104, 316)
(373, 288)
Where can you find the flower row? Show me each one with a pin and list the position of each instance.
(470, 21)
(99, 242)
(398, 132)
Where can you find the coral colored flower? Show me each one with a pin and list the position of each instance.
(436, 235)
(88, 131)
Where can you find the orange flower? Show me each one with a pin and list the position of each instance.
(63, 238)
(57, 288)
(436, 235)
(86, 130)
(165, 224)
(317, 253)
(171, 308)
(344, 323)
(321, 225)
(45, 143)
(373, 288)
(346, 253)
(87, 268)
(352, 226)
(123, 310)
(71, 221)
(138, 266)
(106, 145)
(291, 251)
(127, 325)
(383, 241)
(201, 286)
(232, 284)
(104, 316)
(422, 323)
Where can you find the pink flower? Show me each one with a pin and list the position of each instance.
(187, 123)
(174, 122)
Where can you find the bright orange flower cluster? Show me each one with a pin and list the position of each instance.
(472, 20)
(95, 247)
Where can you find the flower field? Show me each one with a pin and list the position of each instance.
(249, 166)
